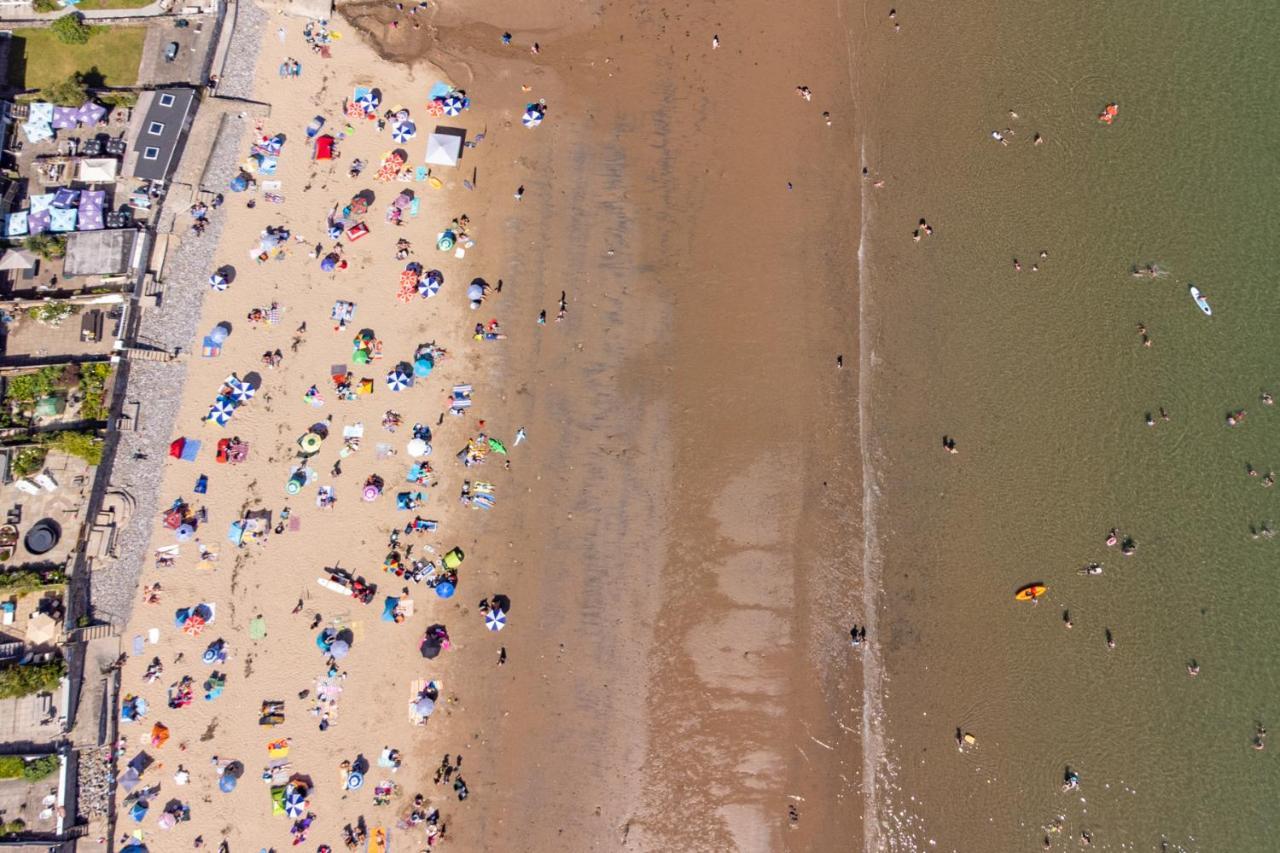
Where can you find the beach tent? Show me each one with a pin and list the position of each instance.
(324, 147)
(443, 149)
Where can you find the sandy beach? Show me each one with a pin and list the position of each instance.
(680, 535)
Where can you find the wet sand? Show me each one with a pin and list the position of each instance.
(689, 562)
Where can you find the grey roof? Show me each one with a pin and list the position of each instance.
(172, 122)
(106, 252)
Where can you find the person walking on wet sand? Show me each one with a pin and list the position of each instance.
(564, 307)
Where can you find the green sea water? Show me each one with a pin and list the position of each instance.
(1042, 379)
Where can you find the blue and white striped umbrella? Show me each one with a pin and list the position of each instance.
(495, 620)
(429, 285)
(452, 105)
(294, 805)
(403, 131)
(532, 117)
(221, 411)
(218, 282)
(398, 380)
(368, 102)
(243, 392)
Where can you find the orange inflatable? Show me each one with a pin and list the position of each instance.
(1108, 113)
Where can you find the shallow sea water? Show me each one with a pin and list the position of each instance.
(1042, 379)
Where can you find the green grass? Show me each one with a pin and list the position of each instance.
(110, 58)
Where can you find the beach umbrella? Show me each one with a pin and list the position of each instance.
(430, 285)
(495, 620)
(226, 783)
(221, 411)
(294, 804)
(532, 117)
(368, 101)
(139, 811)
(354, 781)
(193, 626)
(423, 366)
(452, 105)
(444, 589)
(398, 380)
(416, 448)
(446, 240)
(424, 706)
(329, 263)
(340, 649)
(243, 392)
(475, 290)
(185, 532)
(430, 649)
(403, 131)
(371, 492)
(167, 821)
(218, 281)
(310, 443)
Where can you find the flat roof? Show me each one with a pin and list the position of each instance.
(105, 252)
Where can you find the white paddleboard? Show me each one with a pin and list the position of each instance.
(1201, 302)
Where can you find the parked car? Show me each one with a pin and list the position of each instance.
(171, 52)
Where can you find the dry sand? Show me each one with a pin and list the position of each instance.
(680, 536)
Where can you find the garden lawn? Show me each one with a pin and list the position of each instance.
(111, 57)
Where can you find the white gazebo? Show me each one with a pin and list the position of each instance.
(444, 149)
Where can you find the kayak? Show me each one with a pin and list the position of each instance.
(1030, 592)
(1201, 302)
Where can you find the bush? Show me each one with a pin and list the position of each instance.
(48, 246)
(12, 827)
(93, 390)
(19, 681)
(117, 99)
(70, 29)
(16, 767)
(23, 581)
(28, 461)
(38, 768)
(30, 387)
(82, 445)
(52, 313)
(45, 5)
(68, 92)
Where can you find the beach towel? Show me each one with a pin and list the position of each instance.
(190, 447)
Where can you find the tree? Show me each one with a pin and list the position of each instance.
(69, 92)
(45, 5)
(70, 29)
(48, 246)
(84, 445)
(17, 681)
